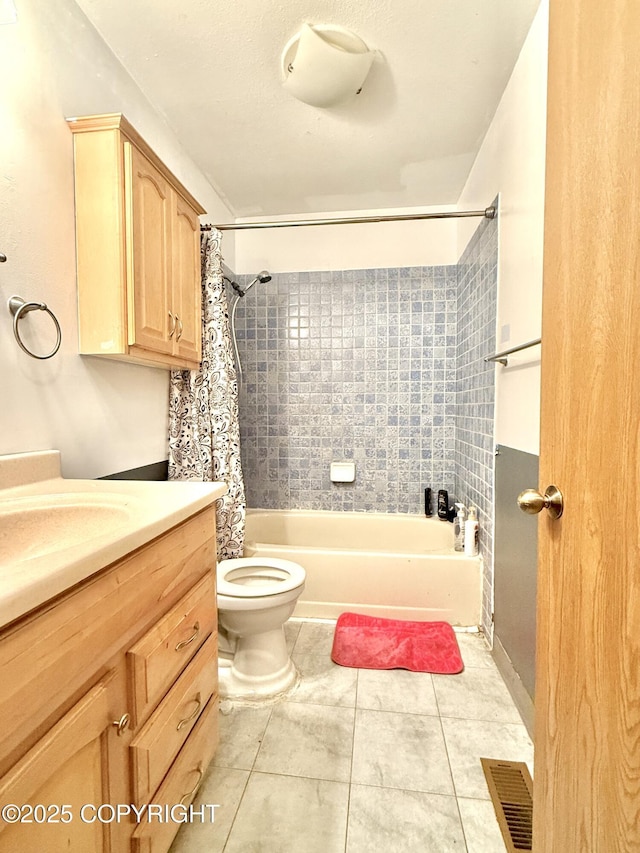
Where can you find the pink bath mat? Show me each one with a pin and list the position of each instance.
(367, 642)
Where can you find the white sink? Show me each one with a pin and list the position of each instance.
(56, 532)
(34, 526)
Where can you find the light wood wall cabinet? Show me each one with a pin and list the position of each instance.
(109, 696)
(138, 249)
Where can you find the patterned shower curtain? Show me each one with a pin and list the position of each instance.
(204, 433)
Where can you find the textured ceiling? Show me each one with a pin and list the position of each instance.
(409, 139)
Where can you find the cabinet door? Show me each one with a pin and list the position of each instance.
(151, 321)
(79, 764)
(187, 289)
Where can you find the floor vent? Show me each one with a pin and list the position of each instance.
(511, 791)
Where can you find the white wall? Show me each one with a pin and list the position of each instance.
(343, 247)
(511, 162)
(104, 416)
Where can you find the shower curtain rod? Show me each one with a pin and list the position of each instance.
(488, 213)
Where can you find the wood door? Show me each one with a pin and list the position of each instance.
(79, 764)
(187, 289)
(587, 733)
(151, 322)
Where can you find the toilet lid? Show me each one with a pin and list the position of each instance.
(255, 577)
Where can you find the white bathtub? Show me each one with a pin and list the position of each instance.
(396, 566)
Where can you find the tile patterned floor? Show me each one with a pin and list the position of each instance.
(361, 760)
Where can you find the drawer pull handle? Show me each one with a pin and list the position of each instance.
(191, 794)
(196, 631)
(122, 724)
(192, 715)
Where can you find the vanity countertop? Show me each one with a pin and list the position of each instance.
(56, 532)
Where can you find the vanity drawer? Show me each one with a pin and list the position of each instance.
(182, 782)
(164, 651)
(157, 744)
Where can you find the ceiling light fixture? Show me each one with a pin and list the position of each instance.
(325, 65)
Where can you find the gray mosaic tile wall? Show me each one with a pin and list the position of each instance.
(356, 365)
(475, 391)
(380, 367)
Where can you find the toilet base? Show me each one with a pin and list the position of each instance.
(257, 665)
(234, 685)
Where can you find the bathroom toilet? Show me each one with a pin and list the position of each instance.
(256, 596)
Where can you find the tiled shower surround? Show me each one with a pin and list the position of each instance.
(382, 367)
(475, 383)
(356, 365)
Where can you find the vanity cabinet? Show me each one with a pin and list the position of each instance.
(109, 696)
(76, 763)
(137, 249)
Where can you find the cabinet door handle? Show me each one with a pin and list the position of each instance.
(183, 643)
(192, 715)
(173, 324)
(191, 794)
(180, 329)
(122, 724)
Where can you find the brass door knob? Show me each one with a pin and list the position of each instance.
(532, 502)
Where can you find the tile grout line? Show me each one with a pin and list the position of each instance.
(353, 745)
(246, 784)
(233, 822)
(453, 783)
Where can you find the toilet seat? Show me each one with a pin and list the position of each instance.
(258, 577)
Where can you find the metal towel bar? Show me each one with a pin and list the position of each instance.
(502, 356)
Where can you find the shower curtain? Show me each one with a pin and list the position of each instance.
(204, 432)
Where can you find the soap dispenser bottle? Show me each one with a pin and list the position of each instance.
(458, 528)
(471, 533)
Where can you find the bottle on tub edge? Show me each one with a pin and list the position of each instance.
(471, 533)
(458, 528)
(443, 504)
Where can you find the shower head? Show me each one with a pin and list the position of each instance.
(263, 277)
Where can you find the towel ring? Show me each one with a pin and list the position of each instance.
(19, 308)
